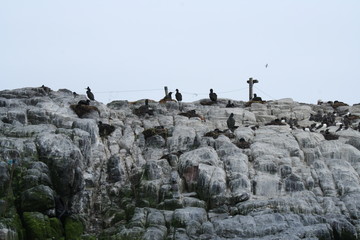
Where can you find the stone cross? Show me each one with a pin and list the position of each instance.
(251, 82)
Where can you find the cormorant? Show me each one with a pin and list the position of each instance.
(168, 96)
(89, 94)
(212, 96)
(230, 104)
(178, 96)
(231, 122)
(256, 98)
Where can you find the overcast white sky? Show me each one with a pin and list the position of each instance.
(130, 50)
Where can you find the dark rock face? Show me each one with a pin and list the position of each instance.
(167, 175)
(38, 199)
(4, 179)
(115, 170)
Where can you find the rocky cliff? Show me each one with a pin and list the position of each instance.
(172, 170)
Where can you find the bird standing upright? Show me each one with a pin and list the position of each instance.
(168, 97)
(212, 96)
(178, 96)
(231, 122)
(89, 94)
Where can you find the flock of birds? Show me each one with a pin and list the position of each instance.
(322, 123)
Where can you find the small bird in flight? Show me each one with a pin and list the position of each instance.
(266, 65)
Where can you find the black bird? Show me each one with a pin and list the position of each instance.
(168, 97)
(46, 89)
(256, 98)
(178, 96)
(243, 144)
(212, 96)
(144, 109)
(330, 136)
(231, 122)
(89, 94)
(230, 104)
(84, 102)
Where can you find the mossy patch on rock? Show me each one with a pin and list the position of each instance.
(40, 226)
(13, 224)
(39, 198)
(160, 130)
(74, 227)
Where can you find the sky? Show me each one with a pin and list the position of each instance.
(129, 50)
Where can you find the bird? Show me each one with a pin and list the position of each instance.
(231, 122)
(144, 109)
(266, 65)
(256, 98)
(178, 95)
(212, 95)
(46, 89)
(168, 96)
(89, 94)
(329, 136)
(230, 104)
(243, 144)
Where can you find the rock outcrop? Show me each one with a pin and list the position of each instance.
(163, 176)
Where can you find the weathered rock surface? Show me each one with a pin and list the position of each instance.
(158, 177)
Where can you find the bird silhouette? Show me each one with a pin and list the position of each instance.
(231, 122)
(178, 95)
(89, 94)
(212, 95)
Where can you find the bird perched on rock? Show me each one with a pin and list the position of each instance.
(178, 95)
(256, 98)
(243, 144)
(144, 109)
(46, 89)
(230, 104)
(89, 94)
(212, 95)
(168, 97)
(231, 122)
(329, 136)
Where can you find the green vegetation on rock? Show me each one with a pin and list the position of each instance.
(74, 228)
(13, 222)
(40, 226)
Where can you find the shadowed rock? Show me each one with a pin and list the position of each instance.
(159, 130)
(83, 110)
(105, 129)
